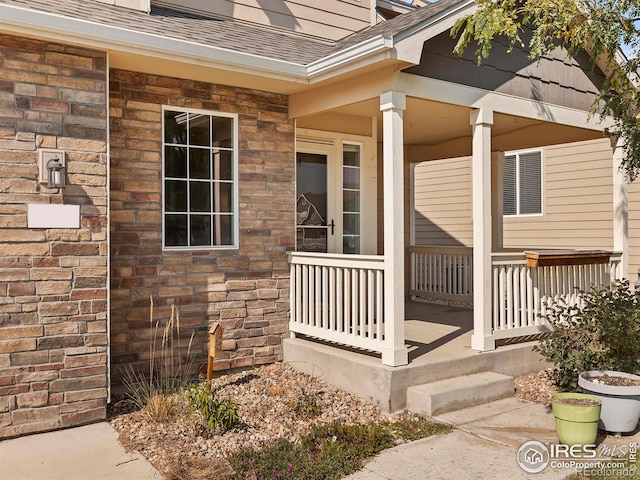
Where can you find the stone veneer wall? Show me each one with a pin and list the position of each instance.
(246, 290)
(53, 282)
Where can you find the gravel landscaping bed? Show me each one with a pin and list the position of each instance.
(536, 387)
(268, 398)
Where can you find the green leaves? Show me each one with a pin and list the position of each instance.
(215, 413)
(604, 334)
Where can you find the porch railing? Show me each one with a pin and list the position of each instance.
(442, 273)
(339, 298)
(522, 294)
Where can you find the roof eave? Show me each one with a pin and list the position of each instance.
(404, 47)
(105, 37)
(367, 52)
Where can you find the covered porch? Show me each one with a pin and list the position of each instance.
(443, 372)
(433, 105)
(358, 301)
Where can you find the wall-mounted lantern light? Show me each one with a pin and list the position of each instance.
(55, 174)
(52, 168)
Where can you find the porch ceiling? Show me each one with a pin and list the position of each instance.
(444, 129)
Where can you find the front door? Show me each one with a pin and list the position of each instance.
(315, 206)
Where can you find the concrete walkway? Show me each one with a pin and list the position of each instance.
(78, 453)
(483, 445)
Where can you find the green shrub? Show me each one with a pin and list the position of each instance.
(603, 333)
(216, 414)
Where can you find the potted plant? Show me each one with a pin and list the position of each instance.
(577, 416)
(601, 333)
(620, 395)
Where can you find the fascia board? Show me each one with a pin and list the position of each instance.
(106, 37)
(341, 62)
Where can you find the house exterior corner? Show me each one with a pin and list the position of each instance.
(53, 317)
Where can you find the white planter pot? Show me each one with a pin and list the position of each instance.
(620, 405)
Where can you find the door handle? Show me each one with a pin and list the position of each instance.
(332, 225)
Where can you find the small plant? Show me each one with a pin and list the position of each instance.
(306, 405)
(602, 333)
(276, 391)
(170, 369)
(160, 407)
(416, 427)
(215, 413)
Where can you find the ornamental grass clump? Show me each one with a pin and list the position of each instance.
(602, 332)
(171, 368)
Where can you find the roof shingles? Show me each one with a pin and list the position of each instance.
(225, 33)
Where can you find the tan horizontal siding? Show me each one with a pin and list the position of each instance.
(443, 202)
(577, 201)
(333, 19)
(634, 230)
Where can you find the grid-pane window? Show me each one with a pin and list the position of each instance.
(351, 198)
(200, 179)
(522, 184)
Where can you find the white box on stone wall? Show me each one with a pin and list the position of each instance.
(46, 215)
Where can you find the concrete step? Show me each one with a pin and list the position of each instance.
(460, 392)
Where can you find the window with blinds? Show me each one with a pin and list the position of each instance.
(522, 184)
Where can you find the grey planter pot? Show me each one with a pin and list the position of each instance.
(620, 405)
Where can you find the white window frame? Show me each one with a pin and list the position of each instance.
(517, 154)
(360, 189)
(235, 188)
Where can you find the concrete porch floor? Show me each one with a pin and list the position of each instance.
(435, 331)
(439, 341)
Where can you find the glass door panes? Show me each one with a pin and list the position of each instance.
(311, 211)
(351, 198)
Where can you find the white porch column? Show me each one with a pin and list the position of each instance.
(481, 121)
(392, 105)
(621, 212)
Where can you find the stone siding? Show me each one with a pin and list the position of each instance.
(244, 289)
(53, 281)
